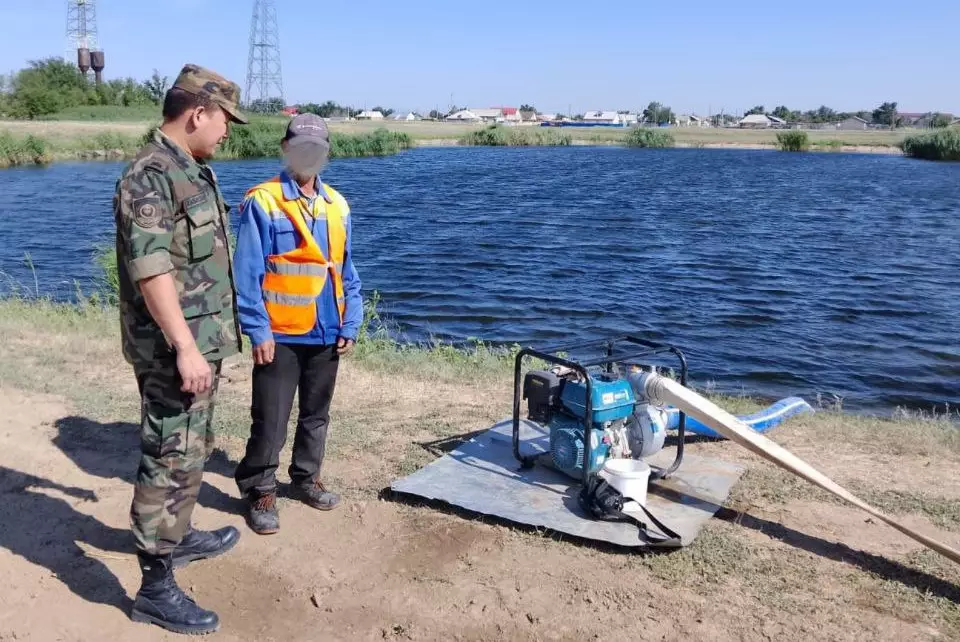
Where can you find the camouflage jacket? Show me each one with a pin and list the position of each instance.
(171, 217)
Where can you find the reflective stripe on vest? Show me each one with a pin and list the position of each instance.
(295, 279)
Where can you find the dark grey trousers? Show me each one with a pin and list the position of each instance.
(313, 371)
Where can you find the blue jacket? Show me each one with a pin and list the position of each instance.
(260, 236)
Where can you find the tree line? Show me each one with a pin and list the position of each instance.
(52, 85)
(885, 114)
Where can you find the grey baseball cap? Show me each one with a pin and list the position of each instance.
(308, 139)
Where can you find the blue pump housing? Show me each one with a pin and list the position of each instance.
(566, 446)
(612, 399)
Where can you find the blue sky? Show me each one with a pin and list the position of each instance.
(559, 55)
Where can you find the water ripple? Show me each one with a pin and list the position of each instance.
(777, 273)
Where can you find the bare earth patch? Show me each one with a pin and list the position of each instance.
(781, 560)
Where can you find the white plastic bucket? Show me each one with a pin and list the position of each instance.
(629, 476)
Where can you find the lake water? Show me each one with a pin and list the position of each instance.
(777, 273)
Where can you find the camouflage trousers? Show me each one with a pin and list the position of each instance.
(176, 438)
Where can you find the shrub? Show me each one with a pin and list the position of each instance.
(793, 141)
(648, 137)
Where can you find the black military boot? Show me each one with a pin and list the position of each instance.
(199, 545)
(160, 601)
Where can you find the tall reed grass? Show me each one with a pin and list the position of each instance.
(941, 145)
(500, 136)
(261, 139)
(29, 150)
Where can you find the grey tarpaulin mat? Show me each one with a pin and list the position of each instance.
(482, 475)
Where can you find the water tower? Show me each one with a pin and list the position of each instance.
(82, 37)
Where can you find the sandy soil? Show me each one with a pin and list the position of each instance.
(780, 561)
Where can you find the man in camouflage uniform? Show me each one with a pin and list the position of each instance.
(179, 321)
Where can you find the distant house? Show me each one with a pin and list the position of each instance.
(853, 123)
(370, 115)
(628, 118)
(464, 115)
(546, 118)
(760, 121)
(529, 116)
(605, 117)
(910, 119)
(497, 114)
(489, 115)
(955, 123)
(927, 120)
(408, 116)
(692, 120)
(511, 114)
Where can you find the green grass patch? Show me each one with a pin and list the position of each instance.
(793, 141)
(260, 139)
(941, 145)
(28, 150)
(37, 150)
(648, 137)
(107, 113)
(500, 136)
(831, 145)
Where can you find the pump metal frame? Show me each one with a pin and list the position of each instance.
(551, 355)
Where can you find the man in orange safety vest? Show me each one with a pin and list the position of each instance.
(298, 295)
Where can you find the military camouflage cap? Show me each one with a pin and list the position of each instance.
(209, 84)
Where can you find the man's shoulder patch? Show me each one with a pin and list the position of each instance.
(147, 211)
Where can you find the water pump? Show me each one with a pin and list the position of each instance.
(574, 398)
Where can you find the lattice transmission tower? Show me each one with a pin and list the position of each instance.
(264, 75)
(82, 36)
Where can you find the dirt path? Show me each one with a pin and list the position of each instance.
(780, 562)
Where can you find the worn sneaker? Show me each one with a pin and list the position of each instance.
(262, 514)
(315, 495)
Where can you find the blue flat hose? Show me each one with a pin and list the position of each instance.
(761, 421)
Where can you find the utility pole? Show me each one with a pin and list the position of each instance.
(264, 74)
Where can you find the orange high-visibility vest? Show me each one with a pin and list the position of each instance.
(294, 279)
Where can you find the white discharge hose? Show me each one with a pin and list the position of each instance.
(662, 391)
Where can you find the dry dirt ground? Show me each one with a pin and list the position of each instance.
(781, 560)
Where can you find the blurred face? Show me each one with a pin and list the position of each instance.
(306, 160)
(210, 127)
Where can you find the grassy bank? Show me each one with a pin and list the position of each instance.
(74, 136)
(780, 557)
(38, 150)
(106, 114)
(260, 139)
(941, 145)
